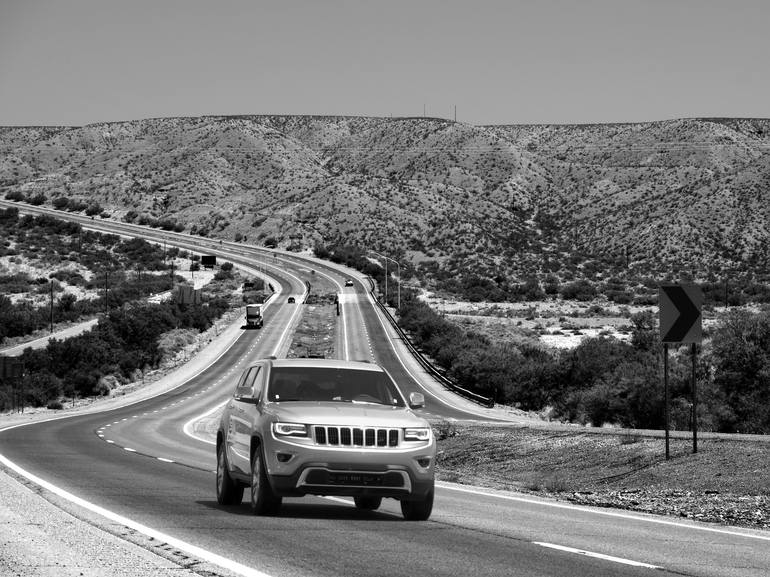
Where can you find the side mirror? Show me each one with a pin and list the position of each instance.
(416, 400)
(246, 395)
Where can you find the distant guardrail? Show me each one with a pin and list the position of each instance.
(425, 363)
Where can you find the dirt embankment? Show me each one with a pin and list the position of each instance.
(727, 481)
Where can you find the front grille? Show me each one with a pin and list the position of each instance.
(355, 436)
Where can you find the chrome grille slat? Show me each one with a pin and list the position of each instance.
(331, 435)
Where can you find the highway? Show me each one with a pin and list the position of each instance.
(140, 466)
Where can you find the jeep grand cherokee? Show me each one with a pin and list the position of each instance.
(324, 427)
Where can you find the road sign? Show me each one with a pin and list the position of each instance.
(186, 295)
(680, 313)
(11, 368)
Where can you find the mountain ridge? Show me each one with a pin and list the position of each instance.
(502, 202)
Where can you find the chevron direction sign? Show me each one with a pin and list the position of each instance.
(680, 313)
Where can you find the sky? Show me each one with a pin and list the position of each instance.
(77, 62)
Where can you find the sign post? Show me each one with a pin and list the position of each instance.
(12, 369)
(681, 323)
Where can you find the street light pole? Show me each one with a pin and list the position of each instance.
(386, 272)
(398, 265)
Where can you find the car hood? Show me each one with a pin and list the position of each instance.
(346, 414)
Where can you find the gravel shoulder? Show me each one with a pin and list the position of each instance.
(46, 536)
(41, 539)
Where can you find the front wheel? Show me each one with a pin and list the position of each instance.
(367, 503)
(263, 500)
(418, 510)
(229, 492)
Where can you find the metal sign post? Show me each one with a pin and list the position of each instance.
(667, 416)
(681, 323)
(694, 404)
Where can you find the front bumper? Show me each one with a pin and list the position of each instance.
(296, 469)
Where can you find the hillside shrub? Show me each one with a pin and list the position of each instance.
(740, 361)
(123, 344)
(579, 290)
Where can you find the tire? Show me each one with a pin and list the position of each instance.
(262, 499)
(418, 510)
(229, 492)
(366, 503)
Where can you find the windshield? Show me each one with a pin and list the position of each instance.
(332, 385)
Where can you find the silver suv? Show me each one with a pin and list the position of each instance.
(324, 427)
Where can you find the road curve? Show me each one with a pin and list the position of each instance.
(138, 463)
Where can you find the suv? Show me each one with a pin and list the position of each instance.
(324, 427)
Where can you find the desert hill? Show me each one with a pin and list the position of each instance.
(499, 202)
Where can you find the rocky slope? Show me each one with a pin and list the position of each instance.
(505, 202)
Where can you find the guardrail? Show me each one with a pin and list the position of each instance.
(425, 363)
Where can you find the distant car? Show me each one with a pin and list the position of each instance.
(297, 427)
(291, 300)
(349, 282)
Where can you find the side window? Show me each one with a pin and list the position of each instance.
(239, 384)
(244, 388)
(259, 381)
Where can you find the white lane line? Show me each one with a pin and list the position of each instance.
(189, 426)
(606, 513)
(165, 460)
(129, 449)
(598, 555)
(199, 552)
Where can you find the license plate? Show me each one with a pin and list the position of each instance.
(355, 479)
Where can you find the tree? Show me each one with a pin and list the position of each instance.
(644, 334)
(740, 358)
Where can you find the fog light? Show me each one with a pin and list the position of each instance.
(424, 462)
(284, 457)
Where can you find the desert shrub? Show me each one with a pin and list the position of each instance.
(93, 209)
(41, 387)
(60, 202)
(740, 362)
(579, 290)
(37, 199)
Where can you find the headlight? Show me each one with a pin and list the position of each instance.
(417, 434)
(290, 429)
